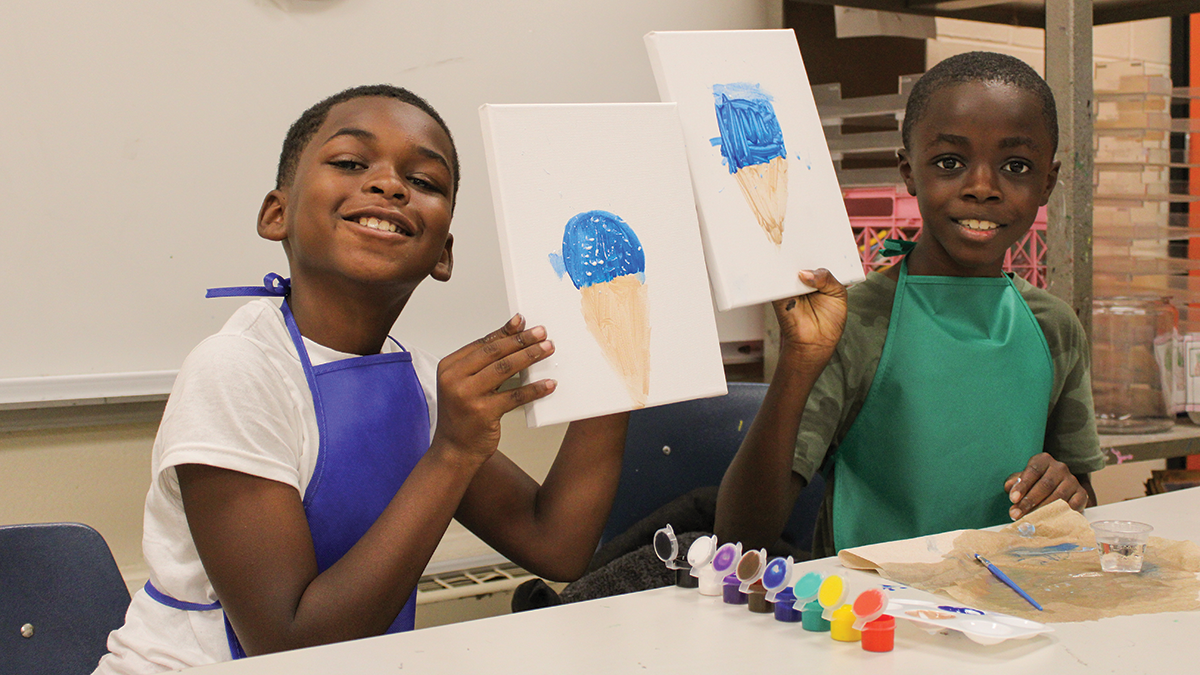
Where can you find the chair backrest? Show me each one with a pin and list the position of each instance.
(60, 596)
(673, 449)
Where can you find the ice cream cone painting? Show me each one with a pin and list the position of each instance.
(759, 162)
(752, 147)
(600, 244)
(606, 263)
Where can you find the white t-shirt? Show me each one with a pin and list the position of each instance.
(241, 402)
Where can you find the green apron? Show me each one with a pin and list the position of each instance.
(959, 401)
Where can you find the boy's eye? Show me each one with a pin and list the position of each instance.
(947, 163)
(347, 164)
(1017, 166)
(425, 184)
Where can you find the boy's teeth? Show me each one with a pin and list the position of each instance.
(377, 224)
(978, 224)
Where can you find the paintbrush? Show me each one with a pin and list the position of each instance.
(1007, 582)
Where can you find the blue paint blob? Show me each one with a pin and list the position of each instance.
(750, 132)
(560, 267)
(598, 247)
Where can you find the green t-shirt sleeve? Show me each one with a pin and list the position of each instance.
(842, 388)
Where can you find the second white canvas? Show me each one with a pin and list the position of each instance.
(768, 197)
(600, 243)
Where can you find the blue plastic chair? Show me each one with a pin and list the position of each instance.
(673, 449)
(60, 596)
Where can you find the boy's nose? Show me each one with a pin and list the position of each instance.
(982, 184)
(387, 183)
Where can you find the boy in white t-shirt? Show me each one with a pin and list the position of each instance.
(307, 465)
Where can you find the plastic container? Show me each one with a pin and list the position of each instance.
(756, 597)
(1132, 356)
(731, 591)
(785, 609)
(812, 619)
(842, 626)
(879, 635)
(1122, 544)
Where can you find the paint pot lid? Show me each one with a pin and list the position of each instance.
(727, 556)
(868, 605)
(700, 553)
(666, 547)
(808, 585)
(751, 565)
(832, 592)
(777, 574)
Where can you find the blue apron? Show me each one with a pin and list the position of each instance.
(373, 426)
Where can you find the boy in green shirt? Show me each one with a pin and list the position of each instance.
(958, 397)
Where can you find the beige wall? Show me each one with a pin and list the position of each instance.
(523, 51)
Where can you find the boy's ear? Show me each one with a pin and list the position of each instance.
(906, 171)
(1051, 181)
(271, 224)
(441, 271)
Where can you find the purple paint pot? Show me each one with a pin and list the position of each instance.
(784, 607)
(732, 593)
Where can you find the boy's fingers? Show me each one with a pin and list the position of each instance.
(823, 281)
(480, 354)
(515, 398)
(1011, 483)
(500, 370)
(513, 326)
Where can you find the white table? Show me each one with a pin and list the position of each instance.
(673, 630)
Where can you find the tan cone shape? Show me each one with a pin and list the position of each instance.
(616, 312)
(765, 187)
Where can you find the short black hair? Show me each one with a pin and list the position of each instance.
(302, 130)
(979, 67)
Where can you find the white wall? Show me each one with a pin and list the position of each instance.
(191, 101)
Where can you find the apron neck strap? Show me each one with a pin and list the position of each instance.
(273, 286)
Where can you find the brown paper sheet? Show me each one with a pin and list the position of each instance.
(1052, 555)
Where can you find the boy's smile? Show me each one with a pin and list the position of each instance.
(370, 203)
(980, 165)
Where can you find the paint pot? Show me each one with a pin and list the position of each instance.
(777, 576)
(700, 555)
(784, 607)
(732, 593)
(832, 594)
(842, 626)
(812, 619)
(757, 599)
(684, 578)
(879, 635)
(750, 569)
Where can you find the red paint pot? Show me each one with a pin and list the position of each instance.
(879, 635)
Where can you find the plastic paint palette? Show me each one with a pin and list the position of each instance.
(666, 547)
(985, 628)
(831, 595)
(750, 568)
(726, 557)
(867, 607)
(777, 576)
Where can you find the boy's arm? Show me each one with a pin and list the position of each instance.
(551, 529)
(759, 488)
(253, 538)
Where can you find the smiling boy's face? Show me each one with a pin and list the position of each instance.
(371, 199)
(981, 162)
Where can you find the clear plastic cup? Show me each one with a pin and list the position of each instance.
(1122, 544)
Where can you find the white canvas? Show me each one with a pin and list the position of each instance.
(644, 333)
(780, 213)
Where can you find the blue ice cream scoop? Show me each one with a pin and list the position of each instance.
(597, 247)
(750, 132)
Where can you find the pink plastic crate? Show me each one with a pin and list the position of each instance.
(878, 213)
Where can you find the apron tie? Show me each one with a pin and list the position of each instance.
(894, 247)
(273, 286)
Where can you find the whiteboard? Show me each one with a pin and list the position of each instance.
(140, 137)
